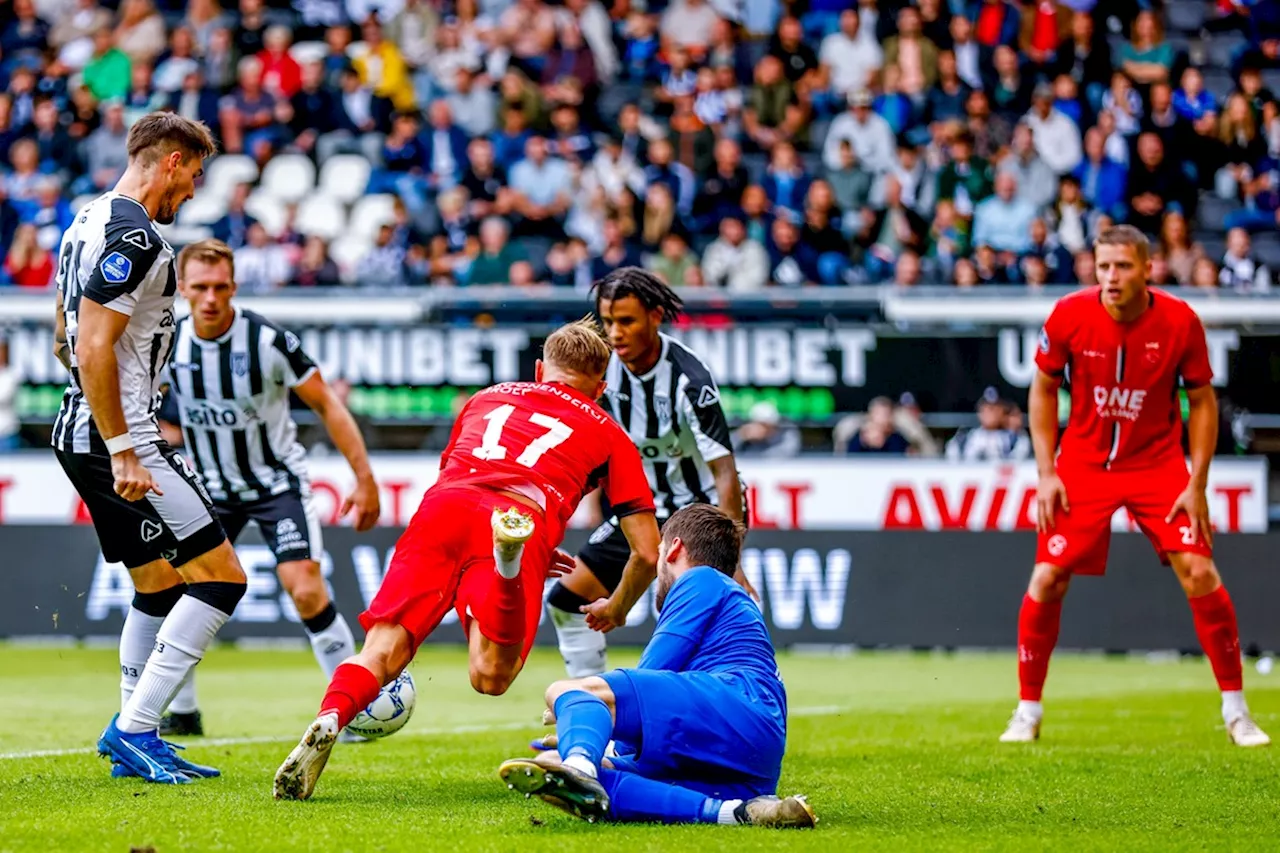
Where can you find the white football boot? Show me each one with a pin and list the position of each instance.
(1022, 728)
(1245, 732)
(296, 779)
(511, 529)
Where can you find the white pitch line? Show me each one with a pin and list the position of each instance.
(816, 711)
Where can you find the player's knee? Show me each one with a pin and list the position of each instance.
(564, 600)
(559, 688)
(305, 585)
(222, 595)
(1199, 576)
(490, 677)
(1048, 582)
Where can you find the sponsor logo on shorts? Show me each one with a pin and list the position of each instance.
(169, 555)
(1119, 403)
(116, 268)
(150, 530)
(1057, 544)
(288, 537)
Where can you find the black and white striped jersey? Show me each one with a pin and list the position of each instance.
(113, 255)
(673, 415)
(232, 397)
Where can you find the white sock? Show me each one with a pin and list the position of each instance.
(580, 762)
(185, 702)
(1034, 710)
(509, 569)
(583, 650)
(1233, 705)
(727, 817)
(180, 644)
(136, 640)
(333, 645)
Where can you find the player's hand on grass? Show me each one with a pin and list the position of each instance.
(602, 615)
(1192, 501)
(562, 563)
(365, 501)
(132, 479)
(1050, 494)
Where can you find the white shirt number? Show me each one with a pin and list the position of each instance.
(557, 433)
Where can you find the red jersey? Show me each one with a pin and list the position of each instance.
(547, 441)
(1123, 378)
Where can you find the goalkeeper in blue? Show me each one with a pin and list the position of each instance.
(699, 727)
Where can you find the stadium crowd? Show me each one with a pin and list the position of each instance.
(719, 143)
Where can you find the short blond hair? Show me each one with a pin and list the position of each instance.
(579, 347)
(1125, 235)
(207, 252)
(158, 134)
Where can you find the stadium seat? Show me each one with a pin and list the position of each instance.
(322, 216)
(308, 51)
(344, 177)
(268, 210)
(347, 252)
(369, 213)
(1186, 15)
(225, 171)
(1218, 83)
(1213, 212)
(1223, 48)
(205, 208)
(288, 177)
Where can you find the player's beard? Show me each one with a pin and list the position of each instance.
(664, 586)
(167, 213)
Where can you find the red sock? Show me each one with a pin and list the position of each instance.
(502, 618)
(351, 690)
(1215, 618)
(1037, 635)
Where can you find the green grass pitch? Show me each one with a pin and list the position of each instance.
(897, 752)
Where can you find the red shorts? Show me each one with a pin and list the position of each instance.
(1078, 541)
(444, 559)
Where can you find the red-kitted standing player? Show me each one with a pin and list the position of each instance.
(1123, 347)
(520, 459)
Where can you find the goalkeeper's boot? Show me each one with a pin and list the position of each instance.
(563, 787)
(296, 779)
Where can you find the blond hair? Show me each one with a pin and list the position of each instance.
(158, 134)
(1125, 235)
(206, 252)
(579, 347)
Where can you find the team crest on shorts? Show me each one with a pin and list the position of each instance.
(601, 533)
(150, 530)
(239, 363)
(1057, 544)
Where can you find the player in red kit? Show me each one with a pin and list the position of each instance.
(1123, 347)
(521, 457)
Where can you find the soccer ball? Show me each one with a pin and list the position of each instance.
(388, 713)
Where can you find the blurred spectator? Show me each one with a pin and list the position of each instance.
(966, 179)
(50, 213)
(991, 133)
(874, 433)
(674, 262)
(203, 18)
(1003, 221)
(1204, 273)
(233, 227)
(773, 112)
(689, 24)
(996, 22)
(220, 60)
(142, 97)
(1056, 137)
(1180, 252)
(992, 440)
(28, 262)
(765, 436)
(442, 147)
(946, 100)
(247, 115)
(1045, 24)
(73, 34)
(1086, 272)
(55, 152)
(281, 74)
(791, 263)
(1071, 216)
(472, 102)
(175, 65)
(1243, 145)
(1103, 182)
(907, 272)
(262, 265)
(915, 55)
(1191, 100)
(1036, 182)
(785, 183)
(108, 72)
(658, 218)
(908, 420)
(1057, 262)
(799, 61)
(617, 252)
(889, 231)
(106, 152)
(485, 182)
(735, 262)
(868, 134)
(1155, 185)
(383, 265)
(541, 188)
(1242, 270)
(1009, 87)
(1147, 58)
(315, 268)
(948, 240)
(493, 264)
(383, 69)
(848, 60)
(1086, 58)
(141, 31)
(968, 52)
(721, 190)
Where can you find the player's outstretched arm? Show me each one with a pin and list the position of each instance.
(641, 530)
(345, 434)
(729, 487)
(61, 349)
(1202, 436)
(1042, 414)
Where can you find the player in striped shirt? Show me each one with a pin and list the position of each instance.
(665, 398)
(231, 375)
